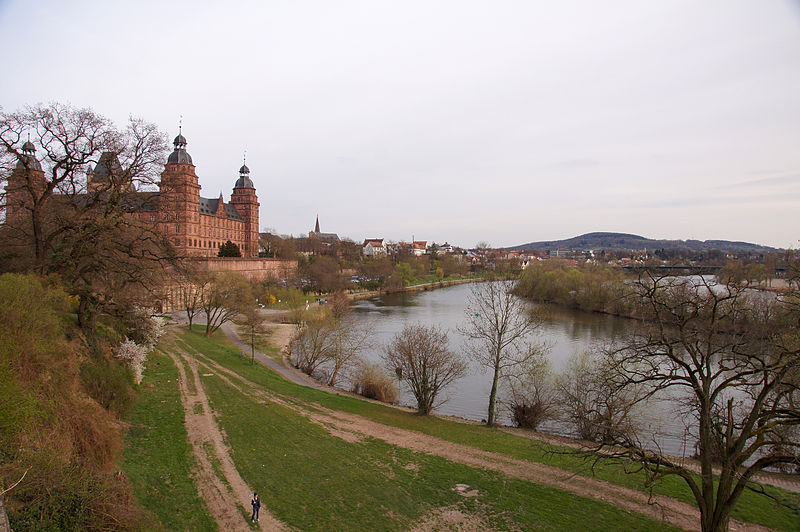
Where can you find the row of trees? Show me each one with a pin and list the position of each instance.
(328, 273)
(86, 235)
(728, 360)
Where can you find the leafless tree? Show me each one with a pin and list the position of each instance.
(498, 328)
(530, 395)
(313, 346)
(195, 284)
(598, 410)
(253, 322)
(422, 358)
(227, 296)
(347, 340)
(730, 358)
(87, 234)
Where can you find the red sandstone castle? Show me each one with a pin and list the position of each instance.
(195, 226)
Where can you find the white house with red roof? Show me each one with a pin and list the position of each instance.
(374, 247)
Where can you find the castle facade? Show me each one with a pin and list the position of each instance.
(194, 226)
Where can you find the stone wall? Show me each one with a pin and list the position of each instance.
(254, 270)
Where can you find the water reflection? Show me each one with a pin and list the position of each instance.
(565, 331)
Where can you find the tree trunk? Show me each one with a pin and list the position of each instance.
(493, 394)
(5, 526)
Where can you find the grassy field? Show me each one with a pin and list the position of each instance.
(752, 507)
(261, 343)
(157, 456)
(315, 481)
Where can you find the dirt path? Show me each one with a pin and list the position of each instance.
(226, 496)
(352, 427)
(787, 482)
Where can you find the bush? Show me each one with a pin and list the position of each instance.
(109, 383)
(530, 397)
(134, 355)
(369, 380)
(143, 327)
(57, 430)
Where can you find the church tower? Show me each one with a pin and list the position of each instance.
(245, 201)
(179, 201)
(25, 184)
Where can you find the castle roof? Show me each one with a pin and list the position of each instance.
(209, 207)
(28, 160)
(179, 155)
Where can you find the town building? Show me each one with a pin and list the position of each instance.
(195, 226)
(198, 226)
(374, 247)
(319, 235)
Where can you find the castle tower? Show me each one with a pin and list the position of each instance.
(179, 201)
(108, 175)
(245, 201)
(25, 184)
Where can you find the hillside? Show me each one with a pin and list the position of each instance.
(624, 241)
(323, 461)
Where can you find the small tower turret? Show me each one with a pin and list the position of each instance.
(245, 201)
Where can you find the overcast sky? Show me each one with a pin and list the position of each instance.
(460, 121)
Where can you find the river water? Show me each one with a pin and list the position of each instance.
(565, 331)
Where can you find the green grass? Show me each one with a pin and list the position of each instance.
(262, 343)
(315, 481)
(216, 464)
(752, 507)
(190, 385)
(157, 456)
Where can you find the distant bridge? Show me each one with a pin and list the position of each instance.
(686, 268)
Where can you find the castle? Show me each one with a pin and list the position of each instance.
(195, 226)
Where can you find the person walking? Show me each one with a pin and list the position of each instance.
(256, 503)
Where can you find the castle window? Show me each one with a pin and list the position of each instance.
(177, 228)
(177, 241)
(152, 217)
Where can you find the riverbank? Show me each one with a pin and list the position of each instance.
(425, 287)
(285, 334)
(302, 448)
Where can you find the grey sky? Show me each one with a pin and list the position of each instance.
(461, 121)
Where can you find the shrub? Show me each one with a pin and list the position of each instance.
(134, 355)
(530, 397)
(369, 380)
(109, 383)
(143, 327)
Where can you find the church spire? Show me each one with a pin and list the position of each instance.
(316, 227)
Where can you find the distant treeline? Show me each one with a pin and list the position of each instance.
(589, 287)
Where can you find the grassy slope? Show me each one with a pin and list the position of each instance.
(157, 456)
(315, 481)
(752, 507)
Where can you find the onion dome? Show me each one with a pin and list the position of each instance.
(28, 161)
(244, 178)
(179, 155)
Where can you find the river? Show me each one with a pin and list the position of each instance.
(565, 331)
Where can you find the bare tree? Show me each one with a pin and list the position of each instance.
(598, 410)
(195, 284)
(730, 359)
(531, 394)
(227, 296)
(422, 358)
(56, 221)
(347, 340)
(499, 325)
(312, 348)
(254, 324)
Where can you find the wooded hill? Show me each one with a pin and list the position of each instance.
(628, 242)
